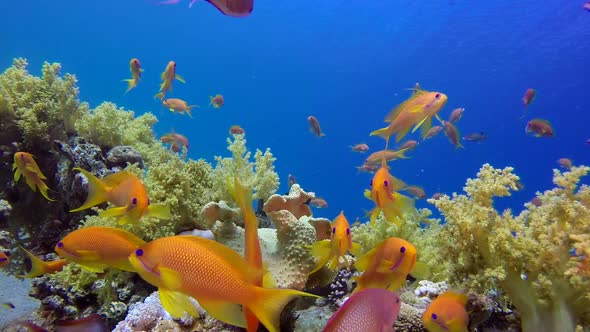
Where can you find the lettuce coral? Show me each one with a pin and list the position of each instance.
(536, 258)
(259, 175)
(37, 110)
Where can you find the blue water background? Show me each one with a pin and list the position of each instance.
(345, 62)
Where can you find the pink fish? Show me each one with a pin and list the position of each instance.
(314, 126)
(235, 8)
(371, 309)
(360, 148)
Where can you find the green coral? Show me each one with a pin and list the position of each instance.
(259, 175)
(526, 256)
(37, 110)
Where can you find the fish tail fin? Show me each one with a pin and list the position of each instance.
(383, 132)
(131, 83)
(97, 191)
(34, 266)
(43, 189)
(268, 303)
(159, 95)
(321, 251)
(243, 197)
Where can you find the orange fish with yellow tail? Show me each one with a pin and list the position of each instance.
(36, 267)
(124, 190)
(136, 70)
(215, 275)
(386, 266)
(4, 259)
(447, 313)
(168, 76)
(417, 112)
(25, 165)
(98, 248)
(340, 242)
(384, 193)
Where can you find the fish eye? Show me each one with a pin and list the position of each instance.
(149, 202)
(437, 96)
(134, 201)
(348, 231)
(434, 316)
(371, 183)
(333, 230)
(60, 244)
(402, 249)
(396, 300)
(385, 183)
(139, 252)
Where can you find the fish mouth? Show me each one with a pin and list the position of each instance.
(70, 253)
(441, 324)
(146, 267)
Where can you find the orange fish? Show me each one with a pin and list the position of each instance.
(415, 191)
(384, 193)
(4, 259)
(374, 310)
(339, 244)
(529, 96)
(216, 101)
(415, 112)
(565, 163)
(25, 165)
(386, 266)
(236, 130)
(377, 157)
(360, 148)
(452, 133)
(98, 248)
(314, 126)
(539, 128)
(168, 77)
(447, 313)
(178, 141)
(136, 71)
(36, 267)
(124, 190)
(234, 8)
(92, 323)
(215, 275)
(178, 106)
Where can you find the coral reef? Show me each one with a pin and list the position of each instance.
(259, 175)
(526, 256)
(296, 202)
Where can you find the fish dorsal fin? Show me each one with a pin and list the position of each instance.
(116, 179)
(232, 258)
(126, 235)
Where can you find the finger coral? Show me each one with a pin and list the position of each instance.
(537, 258)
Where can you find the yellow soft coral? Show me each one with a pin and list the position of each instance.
(527, 256)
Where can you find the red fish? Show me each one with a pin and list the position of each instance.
(539, 128)
(314, 126)
(565, 163)
(234, 8)
(236, 130)
(372, 309)
(318, 203)
(432, 132)
(456, 115)
(360, 148)
(475, 137)
(216, 101)
(529, 96)
(452, 133)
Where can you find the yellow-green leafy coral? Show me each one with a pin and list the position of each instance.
(109, 126)
(259, 175)
(38, 109)
(526, 256)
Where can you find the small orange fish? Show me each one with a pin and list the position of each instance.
(384, 193)
(124, 190)
(314, 126)
(456, 115)
(98, 248)
(233, 8)
(376, 158)
(178, 106)
(36, 267)
(432, 132)
(177, 141)
(386, 266)
(4, 258)
(417, 111)
(539, 128)
(529, 96)
(25, 165)
(452, 133)
(565, 163)
(362, 148)
(215, 275)
(236, 130)
(339, 244)
(374, 310)
(216, 101)
(168, 77)
(447, 313)
(415, 191)
(136, 71)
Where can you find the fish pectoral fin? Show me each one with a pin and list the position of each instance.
(114, 212)
(170, 278)
(321, 251)
(31, 183)
(385, 266)
(362, 263)
(92, 267)
(17, 174)
(421, 271)
(226, 312)
(159, 211)
(367, 194)
(176, 303)
(179, 78)
(355, 249)
(89, 255)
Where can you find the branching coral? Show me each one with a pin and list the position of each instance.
(527, 256)
(259, 175)
(37, 109)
